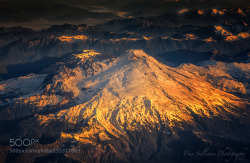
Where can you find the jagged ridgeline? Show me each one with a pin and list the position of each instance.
(132, 108)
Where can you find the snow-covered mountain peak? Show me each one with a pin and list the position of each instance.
(103, 101)
(86, 54)
(134, 54)
(131, 56)
(121, 94)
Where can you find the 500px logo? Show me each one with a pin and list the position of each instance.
(23, 142)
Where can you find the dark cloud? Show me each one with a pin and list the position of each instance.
(33, 12)
(48, 12)
(136, 5)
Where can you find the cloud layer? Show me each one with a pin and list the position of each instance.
(48, 12)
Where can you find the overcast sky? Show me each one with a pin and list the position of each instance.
(39, 13)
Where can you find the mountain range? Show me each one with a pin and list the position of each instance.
(168, 88)
(132, 108)
(193, 35)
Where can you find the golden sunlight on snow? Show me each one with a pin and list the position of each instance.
(131, 39)
(87, 54)
(222, 31)
(201, 12)
(137, 92)
(191, 37)
(72, 38)
(216, 12)
(241, 12)
(183, 11)
(210, 39)
(243, 35)
(134, 92)
(2, 87)
(229, 36)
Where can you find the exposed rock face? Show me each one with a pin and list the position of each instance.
(132, 108)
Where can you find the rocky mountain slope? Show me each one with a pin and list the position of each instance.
(129, 109)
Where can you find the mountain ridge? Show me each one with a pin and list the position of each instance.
(125, 106)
